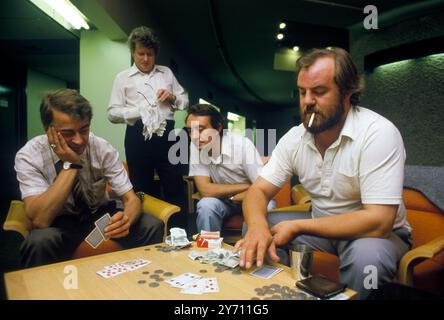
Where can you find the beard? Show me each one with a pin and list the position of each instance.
(322, 121)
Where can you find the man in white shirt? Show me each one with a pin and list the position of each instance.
(351, 162)
(223, 166)
(62, 177)
(145, 97)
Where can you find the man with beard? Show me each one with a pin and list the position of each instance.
(351, 162)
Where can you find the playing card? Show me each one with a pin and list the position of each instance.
(134, 264)
(182, 280)
(210, 285)
(94, 238)
(111, 271)
(102, 223)
(193, 287)
(266, 272)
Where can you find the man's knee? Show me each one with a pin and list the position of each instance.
(151, 229)
(41, 239)
(208, 206)
(42, 246)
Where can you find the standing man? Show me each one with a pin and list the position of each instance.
(223, 166)
(145, 97)
(351, 162)
(62, 177)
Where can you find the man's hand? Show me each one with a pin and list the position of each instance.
(254, 245)
(284, 232)
(60, 147)
(119, 226)
(164, 95)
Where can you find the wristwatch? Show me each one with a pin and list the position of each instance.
(68, 165)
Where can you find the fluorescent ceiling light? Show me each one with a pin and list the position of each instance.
(64, 12)
(280, 36)
(282, 25)
(232, 116)
(68, 11)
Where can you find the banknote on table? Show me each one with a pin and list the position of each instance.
(177, 238)
(220, 256)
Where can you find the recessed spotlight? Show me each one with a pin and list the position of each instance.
(296, 48)
(280, 36)
(282, 25)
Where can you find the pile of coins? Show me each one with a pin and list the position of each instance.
(278, 292)
(156, 277)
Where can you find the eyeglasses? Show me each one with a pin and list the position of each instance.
(146, 99)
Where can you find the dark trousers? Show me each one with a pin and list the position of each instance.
(143, 156)
(59, 241)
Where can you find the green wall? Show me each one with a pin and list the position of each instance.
(101, 60)
(37, 84)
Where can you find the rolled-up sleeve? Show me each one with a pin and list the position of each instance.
(30, 178)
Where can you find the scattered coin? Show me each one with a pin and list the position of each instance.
(167, 274)
(275, 286)
(218, 270)
(154, 284)
(154, 276)
(255, 298)
(158, 271)
(145, 272)
(147, 249)
(276, 297)
(236, 272)
(203, 271)
(159, 279)
(141, 281)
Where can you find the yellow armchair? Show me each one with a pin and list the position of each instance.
(18, 221)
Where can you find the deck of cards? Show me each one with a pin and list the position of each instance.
(191, 283)
(97, 235)
(122, 267)
(265, 272)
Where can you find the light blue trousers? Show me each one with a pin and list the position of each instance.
(211, 213)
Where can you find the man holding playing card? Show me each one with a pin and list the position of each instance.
(62, 178)
(351, 162)
(223, 166)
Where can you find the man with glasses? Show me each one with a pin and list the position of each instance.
(62, 177)
(145, 97)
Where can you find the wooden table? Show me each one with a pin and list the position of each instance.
(47, 282)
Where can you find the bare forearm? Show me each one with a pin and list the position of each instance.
(357, 224)
(43, 209)
(254, 208)
(132, 208)
(222, 190)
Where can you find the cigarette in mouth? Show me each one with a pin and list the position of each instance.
(311, 120)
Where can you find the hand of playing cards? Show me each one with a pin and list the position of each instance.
(220, 256)
(97, 235)
(122, 267)
(177, 238)
(191, 283)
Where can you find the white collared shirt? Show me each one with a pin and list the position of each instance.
(125, 102)
(239, 162)
(35, 167)
(365, 165)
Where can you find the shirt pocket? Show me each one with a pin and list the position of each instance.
(346, 183)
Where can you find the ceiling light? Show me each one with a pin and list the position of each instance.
(232, 116)
(68, 11)
(280, 36)
(296, 48)
(282, 25)
(64, 12)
